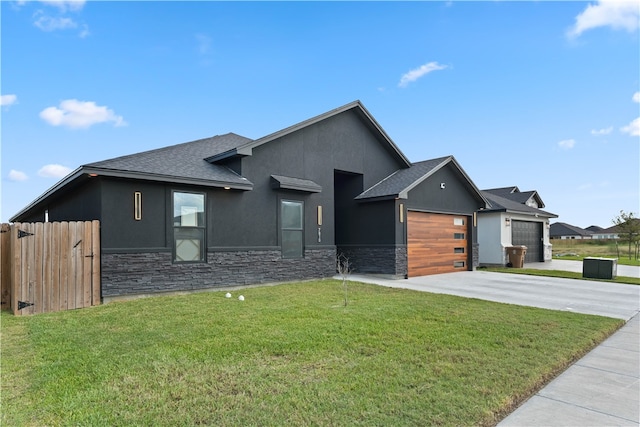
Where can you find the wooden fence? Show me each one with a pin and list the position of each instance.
(50, 266)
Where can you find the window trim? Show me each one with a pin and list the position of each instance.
(282, 229)
(202, 228)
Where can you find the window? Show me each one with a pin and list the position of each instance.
(291, 223)
(458, 250)
(458, 264)
(458, 236)
(458, 221)
(188, 227)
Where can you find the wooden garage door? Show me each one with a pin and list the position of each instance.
(437, 243)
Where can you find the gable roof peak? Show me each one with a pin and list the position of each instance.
(357, 106)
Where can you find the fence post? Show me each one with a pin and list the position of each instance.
(5, 266)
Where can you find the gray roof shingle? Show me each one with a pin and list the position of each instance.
(182, 161)
(402, 180)
(499, 203)
(563, 229)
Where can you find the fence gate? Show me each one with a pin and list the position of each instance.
(53, 266)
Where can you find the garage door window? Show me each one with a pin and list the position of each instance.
(458, 221)
(458, 250)
(458, 236)
(458, 264)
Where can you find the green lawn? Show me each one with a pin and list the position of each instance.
(288, 355)
(579, 249)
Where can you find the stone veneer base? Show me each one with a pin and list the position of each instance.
(128, 274)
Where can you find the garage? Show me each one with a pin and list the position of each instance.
(437, 243)
(529, 234)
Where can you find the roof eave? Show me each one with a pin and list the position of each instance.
(248, 185)
(76, 174)
(379, 198)
(91, 172)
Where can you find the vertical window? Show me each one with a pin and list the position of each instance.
(188, 227)
(292, 230)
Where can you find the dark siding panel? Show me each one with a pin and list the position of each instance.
(83, 204)
(119, 228)
(454, 198)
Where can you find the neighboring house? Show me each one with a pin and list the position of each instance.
(514, 218)
(604, 233)
(564, 231)
(229, 210)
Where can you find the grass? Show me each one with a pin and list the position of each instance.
(561, 274)
(579, 249)
(291, 354)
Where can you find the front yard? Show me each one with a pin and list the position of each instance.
(288, 355)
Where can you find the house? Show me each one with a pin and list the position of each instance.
(230, 210)
(604, 233)
(564, 231)
(514, 218)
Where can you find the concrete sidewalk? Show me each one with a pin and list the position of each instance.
(602, 388)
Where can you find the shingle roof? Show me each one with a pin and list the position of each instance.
(182, 161)
(401, 180)
(503, 191)
(399, 183)
(503, 204)
(514, 193)
(564, 229)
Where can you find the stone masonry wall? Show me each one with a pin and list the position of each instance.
(153, 272)
(387, 260)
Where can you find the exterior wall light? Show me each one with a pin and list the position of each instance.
(137, 206)
(507, 221)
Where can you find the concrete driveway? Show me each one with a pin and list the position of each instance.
(602, 388)
(581, 296)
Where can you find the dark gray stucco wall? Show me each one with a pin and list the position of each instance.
(81, 204)
(456, 197)
(120, 230)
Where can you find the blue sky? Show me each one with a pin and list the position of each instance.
(541, 95)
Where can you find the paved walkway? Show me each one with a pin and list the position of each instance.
(602, 388)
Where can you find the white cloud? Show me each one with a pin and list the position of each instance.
(567, 144)
(632, 128)
(6, 100)
(605, 131)
(49, 23)
(617, 14)
(636, 97)
(416, 73)
(80, 114)
(65, 5)
(204, 43)
(15, 175)
(54, 171)
(60, 20)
